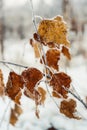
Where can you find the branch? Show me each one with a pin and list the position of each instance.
(14, 64)
(41, 46)
(78, 98)
(33, 16)
(51, 95)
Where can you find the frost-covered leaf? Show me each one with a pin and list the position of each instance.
(53, 30)
(14, 86)
(13, 117)
(18, 110)
(56, 94)
(68, 108)
(52, 57)
(36, 49)
(51, 45)
(15, 113)
(18, 97)
(58, 81)
(66, 52)
(30, 78)
(42, 94)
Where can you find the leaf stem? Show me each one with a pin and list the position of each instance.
(78, 98)
(14, 64)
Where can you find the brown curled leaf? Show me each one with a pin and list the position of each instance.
(14, 86)
(2, 86)
(36, 49)
(53, 30)
(37, 112)
(66, 52)
(52, 57)
(37, 102)
(68, 108)
(18, 97)
(38, 96)
(28, 94)
(31, 42)
(15, 113)
(55, 94)
(13, 117)
(42, 94)
(30, 78)
(58, 81)
(36, 37)
(18, 110)
(51, 45)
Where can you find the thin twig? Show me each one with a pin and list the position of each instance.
(35, 26)
(75, 90)
(51, 95)
(8, 67)
(41, 46)
(14, 64)
(78, 98)
(33, 16)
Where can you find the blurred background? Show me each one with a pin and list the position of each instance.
(16, 28)
(16, 20)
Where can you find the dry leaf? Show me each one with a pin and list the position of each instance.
(37, 102)
(36, 37)
(68, 108)
(15, 113)
(29, 94)
(18, 110)
(37, 112)
(66, 52)
(2, 86)
(58, 81)
(53, 56)
(54, 30)
(36, 49)
(13, 117)
(31, 42)
(18, 97)
(42, 94)
(51, 45)
(14, 86)
(30, 77)
(55, 94)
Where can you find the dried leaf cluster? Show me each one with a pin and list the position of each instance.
(52, 34)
